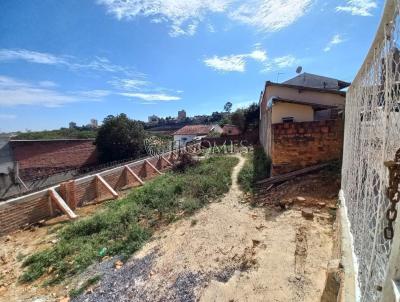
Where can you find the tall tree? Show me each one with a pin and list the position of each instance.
(119, 138)
(228, 107)
(252, 116)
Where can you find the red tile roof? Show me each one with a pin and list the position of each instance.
(194, 130)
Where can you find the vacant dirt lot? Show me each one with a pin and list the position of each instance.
(228, 251)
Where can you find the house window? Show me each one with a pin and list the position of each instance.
(288, 119)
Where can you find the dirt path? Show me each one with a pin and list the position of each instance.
(227, 251)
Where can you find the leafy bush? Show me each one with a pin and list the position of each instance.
(124, 225)
(256, 167)
(185, 160)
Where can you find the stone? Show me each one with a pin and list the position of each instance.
(118, 264)
(307, 213)
(321, 204)
(300, 199)
(255, 242)
(8, 238)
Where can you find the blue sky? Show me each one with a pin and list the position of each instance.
(74, 60)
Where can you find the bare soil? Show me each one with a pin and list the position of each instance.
(228, 251)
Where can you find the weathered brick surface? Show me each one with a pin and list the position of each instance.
(298, 145)
(27, 210)
(41, 158)
(15, 215)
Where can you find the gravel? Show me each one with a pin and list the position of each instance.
(133, 282)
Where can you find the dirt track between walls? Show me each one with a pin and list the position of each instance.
(228, 251)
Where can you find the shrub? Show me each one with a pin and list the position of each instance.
(261, 163)
(256, 167)
(185, 160)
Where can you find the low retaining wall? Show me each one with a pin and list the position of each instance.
(299, 145)
(18, 212)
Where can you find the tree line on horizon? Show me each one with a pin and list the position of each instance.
(120, 137)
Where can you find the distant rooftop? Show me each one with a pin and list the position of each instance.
(316, 81)
(195, 130)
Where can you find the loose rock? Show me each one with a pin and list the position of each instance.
(307, 213)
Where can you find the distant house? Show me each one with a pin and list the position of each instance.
(230, 130)
(194, 132)
(299, 123)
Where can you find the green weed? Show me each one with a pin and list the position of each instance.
(118, 228)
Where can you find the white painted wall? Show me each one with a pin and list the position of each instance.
(183, 139)
(300, 113)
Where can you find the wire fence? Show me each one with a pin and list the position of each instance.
(372, 132)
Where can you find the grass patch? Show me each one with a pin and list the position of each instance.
(124, 225)
(256, 167)
(76, 292)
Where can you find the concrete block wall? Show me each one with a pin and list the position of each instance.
(31, 208)
(299, 145)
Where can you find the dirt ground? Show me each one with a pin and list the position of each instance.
(228, 251)
(16, 246)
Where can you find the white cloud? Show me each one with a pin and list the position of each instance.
(97, 64)
(129, 84)
(30, 56)
(358, 7)
(94, 94)
(184, 16)
(14, 92)
(336, 39)
(235, 62)
(281, 63)
(227, 63)
(258, 55)
(151, 97)
(271, 15)
(7, 116)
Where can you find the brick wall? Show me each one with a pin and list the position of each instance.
(298, 145)
(41, 158)
(31, 208)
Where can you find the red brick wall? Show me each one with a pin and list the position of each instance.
(15, 215)
(41, 158)
(34, 207)
(298, 145)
